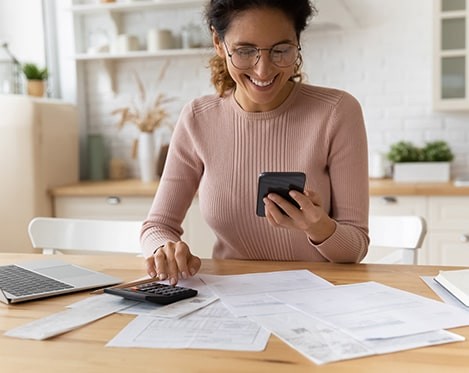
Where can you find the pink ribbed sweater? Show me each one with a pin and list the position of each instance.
(218, 149)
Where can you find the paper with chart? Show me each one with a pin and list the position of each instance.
(246, 294)
(323, 343)
(371, 310)
(78, 314)
(212, 327)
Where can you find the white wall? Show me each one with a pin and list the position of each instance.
(386, 62)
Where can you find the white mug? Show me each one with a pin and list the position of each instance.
(158, 39)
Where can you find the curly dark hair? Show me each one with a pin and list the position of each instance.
(220, 13)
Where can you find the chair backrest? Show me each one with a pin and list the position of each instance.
(404, 233)
(64, 234)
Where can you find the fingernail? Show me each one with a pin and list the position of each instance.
(192, 271)
(162, 276)
(172, 281)
(152, 274)
(184, 275)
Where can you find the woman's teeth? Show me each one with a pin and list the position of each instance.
(261, 83)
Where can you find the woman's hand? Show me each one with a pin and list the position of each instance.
(173, 261)
(309, 218)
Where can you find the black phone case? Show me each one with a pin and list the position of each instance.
(280, 183)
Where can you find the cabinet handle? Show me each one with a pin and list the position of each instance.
(464, 238)
(389, 200)
(113, 200)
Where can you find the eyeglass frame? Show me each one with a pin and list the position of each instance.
(259, 50)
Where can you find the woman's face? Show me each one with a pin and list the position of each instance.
(265, 86)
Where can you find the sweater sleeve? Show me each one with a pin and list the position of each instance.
(348, 171)
(177, 187)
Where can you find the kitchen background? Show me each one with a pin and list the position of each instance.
(380, 51)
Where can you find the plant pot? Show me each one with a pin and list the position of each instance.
(421, 172)
(36, 88)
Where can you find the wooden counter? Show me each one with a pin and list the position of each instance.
(383, 187)
(134, 187)
(131, 187)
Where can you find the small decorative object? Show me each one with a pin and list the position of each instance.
(96, 157)
(36, 78)
(117, 169)
(158, 39)
(147, 116)
(428, 164)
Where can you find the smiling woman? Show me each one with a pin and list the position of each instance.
(262, 119)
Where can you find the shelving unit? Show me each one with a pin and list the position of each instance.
(133, 6)
(115, 12)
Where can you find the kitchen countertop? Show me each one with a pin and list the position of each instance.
(134, 187)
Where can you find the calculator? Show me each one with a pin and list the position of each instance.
(154, 292)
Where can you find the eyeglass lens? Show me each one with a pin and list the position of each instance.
(281, 55)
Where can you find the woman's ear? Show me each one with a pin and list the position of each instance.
(218, 44)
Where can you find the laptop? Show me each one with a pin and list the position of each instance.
(44, 278)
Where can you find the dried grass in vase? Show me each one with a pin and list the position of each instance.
(146, 115)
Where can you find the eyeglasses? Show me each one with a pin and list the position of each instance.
(281, 55)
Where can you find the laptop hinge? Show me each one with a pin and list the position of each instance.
(3, 297)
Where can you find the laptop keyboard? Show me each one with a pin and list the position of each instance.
(20, 282)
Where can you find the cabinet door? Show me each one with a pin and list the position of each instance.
(398, 205)
(450, 55)
(448, 248)
(449, 213)
(448, 223)
(95, 207)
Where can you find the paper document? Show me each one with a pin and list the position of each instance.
(80, 313)
(212, 327)
(324, 343)
(444, 294)
(371, 310)
(456, 282)
(246, 295)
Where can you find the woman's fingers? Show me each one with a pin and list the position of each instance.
(173, 261)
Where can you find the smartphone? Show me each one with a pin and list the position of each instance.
(280, 183)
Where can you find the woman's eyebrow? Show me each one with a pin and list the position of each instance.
(247, 44)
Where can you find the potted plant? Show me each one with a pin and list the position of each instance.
(36, 78)
(430, 163)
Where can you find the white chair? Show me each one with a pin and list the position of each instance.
(400, 237)
(84, 235)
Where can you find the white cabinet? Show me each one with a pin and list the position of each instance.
(447, 217)
(448, 238)
(450, 65)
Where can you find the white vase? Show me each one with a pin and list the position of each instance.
(147, 156)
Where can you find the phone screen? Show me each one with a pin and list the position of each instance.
(280, 183)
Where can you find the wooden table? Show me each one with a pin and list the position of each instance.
(83, 350)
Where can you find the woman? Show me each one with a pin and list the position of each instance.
(262, 119)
